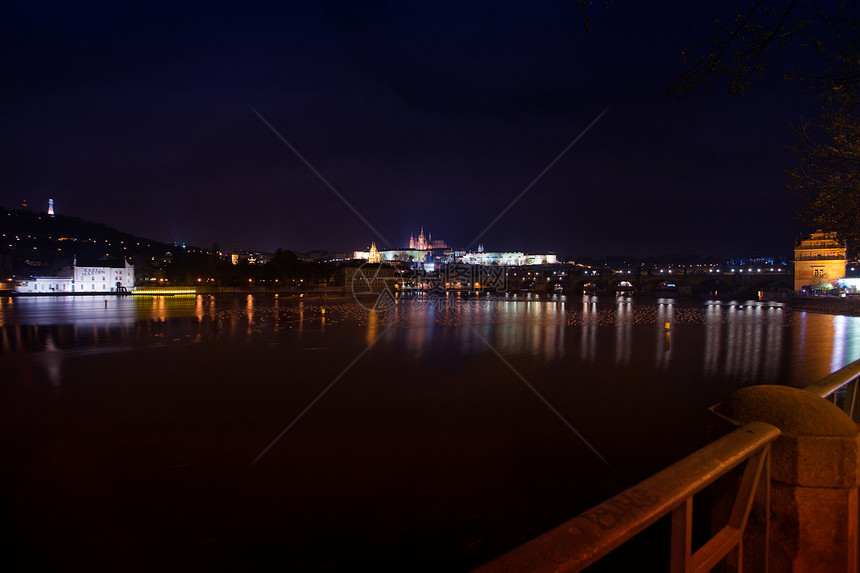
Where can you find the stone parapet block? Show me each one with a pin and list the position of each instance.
(808, 461)
(815, 473)
(819, 445)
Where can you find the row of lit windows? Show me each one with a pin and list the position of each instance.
(812, 257)
(49, 286)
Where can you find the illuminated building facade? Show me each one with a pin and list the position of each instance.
(98, 277)
(105, 276)
(419, 244)
(513, 259)
(368, 278)
(819, 261)
(46, 285)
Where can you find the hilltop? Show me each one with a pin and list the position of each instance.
(36, 244)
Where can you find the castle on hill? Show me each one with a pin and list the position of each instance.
(422, 243)
(424, 252)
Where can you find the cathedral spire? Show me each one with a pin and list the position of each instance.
(373, 255)
(421, 241)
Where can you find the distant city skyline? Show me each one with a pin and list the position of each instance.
(415, 242)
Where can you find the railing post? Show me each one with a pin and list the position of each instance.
(681, 546)
(758, 528)
(814, 477)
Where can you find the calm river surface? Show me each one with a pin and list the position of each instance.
(256, 432)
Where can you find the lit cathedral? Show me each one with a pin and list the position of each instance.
(423, 243)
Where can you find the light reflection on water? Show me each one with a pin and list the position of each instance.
(750, 341)
(665, 315)
(623, 330)
(589, 328)
(427, 426)
(713, 337)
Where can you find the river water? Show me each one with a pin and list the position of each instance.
(252, 432)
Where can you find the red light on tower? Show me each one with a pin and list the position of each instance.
(24, 203)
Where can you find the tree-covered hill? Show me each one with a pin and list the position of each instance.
(34, 244)
(38, 244)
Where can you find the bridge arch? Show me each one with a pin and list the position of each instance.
(713, 287)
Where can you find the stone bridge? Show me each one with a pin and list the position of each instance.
(700, 284)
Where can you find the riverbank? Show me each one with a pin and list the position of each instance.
(848, 306)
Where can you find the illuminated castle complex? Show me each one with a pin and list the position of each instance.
(423, 243)
(423, 251)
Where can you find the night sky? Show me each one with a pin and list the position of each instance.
(433, 114)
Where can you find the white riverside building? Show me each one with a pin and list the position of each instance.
(100, 277)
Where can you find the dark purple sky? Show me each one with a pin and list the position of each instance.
(434, 114)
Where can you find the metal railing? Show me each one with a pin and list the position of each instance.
(580, 542)
(841, 388)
